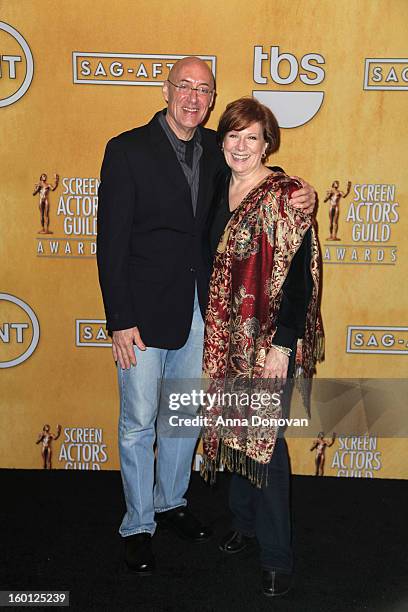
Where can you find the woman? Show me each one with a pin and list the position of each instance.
(263, 297)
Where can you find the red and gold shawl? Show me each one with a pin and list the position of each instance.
(250, 267)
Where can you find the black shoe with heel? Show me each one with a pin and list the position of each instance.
(275, 583)
(234, 542)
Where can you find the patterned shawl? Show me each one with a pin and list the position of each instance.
(250, 267)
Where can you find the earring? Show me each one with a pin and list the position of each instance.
(263, 155)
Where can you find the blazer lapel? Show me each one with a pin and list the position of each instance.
(204, 184)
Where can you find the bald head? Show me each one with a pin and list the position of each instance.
(189, 93)
(192, 63)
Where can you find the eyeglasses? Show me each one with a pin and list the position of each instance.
(185, 88)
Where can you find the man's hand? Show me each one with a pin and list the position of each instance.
(305, 198)
(276, 366)
(122, 346)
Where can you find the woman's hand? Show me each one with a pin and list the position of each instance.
(276, 367)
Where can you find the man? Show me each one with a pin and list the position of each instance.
(157, 185)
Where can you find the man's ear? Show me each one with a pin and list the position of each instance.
(211, 104)
(165, 91)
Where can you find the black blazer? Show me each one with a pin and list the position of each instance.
(150, 248)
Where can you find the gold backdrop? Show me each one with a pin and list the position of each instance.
(73, 74)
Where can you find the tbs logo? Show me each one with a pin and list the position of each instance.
(291, 108)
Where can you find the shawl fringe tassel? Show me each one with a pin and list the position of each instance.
(235, 461)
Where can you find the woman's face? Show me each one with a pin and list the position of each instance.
(243, 150)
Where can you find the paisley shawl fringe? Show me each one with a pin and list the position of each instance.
(304, 372)
(319, 347)
(235, 461)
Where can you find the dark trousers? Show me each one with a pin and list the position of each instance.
(265, 513)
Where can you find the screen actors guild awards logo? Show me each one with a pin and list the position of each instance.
(320, 445)
(357, 457)
(43, 187)
(83, 448)
(370, 216)
(74, 215)
(46, 438)
(334, 196)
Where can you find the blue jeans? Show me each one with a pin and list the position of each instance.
(139, 404)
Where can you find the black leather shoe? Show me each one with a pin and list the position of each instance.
(184, 524)
(234, 542)
(139, 557)
(275, 583)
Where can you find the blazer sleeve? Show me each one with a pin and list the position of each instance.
(116, 207)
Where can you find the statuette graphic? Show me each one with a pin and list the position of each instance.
(320, 444)
(45, 437)
(334, 196)
(43, 188)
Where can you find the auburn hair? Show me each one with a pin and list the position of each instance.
(241, 113)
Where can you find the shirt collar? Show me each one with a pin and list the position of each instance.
(172, 136)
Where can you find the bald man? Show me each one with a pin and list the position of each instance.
(157, 186)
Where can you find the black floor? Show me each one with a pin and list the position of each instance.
(59, 531)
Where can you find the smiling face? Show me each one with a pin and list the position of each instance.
(243, 149)
(186, 111)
